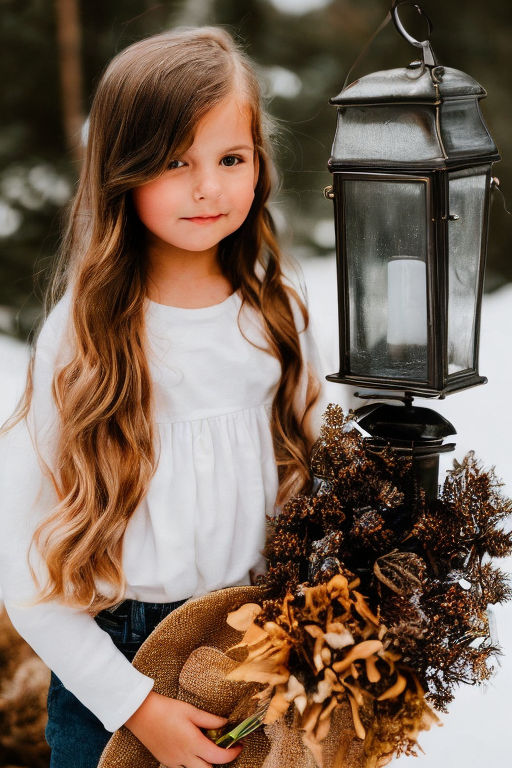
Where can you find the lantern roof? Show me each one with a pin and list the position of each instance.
(415, 117)
(415, 83)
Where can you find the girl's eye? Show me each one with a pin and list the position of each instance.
(230, 160)
(175, 164)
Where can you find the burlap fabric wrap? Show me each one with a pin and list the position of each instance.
(185, 655)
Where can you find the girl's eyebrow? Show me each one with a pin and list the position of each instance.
(236, 149)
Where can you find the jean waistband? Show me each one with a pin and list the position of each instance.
(133, 620)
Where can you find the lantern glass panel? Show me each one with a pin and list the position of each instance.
(386, 246)
(467, 199)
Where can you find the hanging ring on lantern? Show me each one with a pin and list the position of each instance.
(400, 27)
(429, 58)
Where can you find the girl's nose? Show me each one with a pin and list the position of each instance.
(207, 186)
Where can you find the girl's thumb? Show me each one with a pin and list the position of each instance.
(206, 720)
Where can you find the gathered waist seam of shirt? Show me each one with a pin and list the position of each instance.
(214, 415)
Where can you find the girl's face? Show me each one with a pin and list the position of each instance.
(207, 192)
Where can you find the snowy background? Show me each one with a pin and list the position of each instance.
(476, 728)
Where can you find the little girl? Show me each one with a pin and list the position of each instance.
(172, 400)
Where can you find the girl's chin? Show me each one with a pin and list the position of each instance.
(197, 245)
(198, 238)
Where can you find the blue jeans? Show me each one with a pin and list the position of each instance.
(76, 737)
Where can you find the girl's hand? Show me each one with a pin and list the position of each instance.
(170, 729)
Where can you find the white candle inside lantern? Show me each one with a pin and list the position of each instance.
(407, 302)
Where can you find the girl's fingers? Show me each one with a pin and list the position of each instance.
(197, 762)
(218, 755)
(205, 719)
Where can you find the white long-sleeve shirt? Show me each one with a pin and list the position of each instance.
(201, 525)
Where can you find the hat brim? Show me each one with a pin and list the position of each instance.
(198, 622)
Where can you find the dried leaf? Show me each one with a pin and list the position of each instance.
(310, 719)
(338, 586)
(255, 639)
(323, 728)
(301, 703)
(359, 651)
(339, 639)
(372, 673)
(242, 618)
(317, 654)
(358, 726)
(323, 691)
(294, 688)
(402, 572)
(429, 718)
(277, 708)
(363, 610)
(314, 630)
(266, 693)
(275, 631)
(255, 673)
(395, 690)
(355, 692)
(327, 710)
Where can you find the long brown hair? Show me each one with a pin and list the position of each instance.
(146, 108)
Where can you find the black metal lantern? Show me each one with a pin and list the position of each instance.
(411, 164)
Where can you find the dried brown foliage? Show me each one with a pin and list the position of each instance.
(423, 567)
(24, 683)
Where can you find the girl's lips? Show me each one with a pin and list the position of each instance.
(204, 219)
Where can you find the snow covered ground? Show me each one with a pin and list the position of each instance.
(476, 728)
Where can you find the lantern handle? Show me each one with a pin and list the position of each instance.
(429, 58)
(362, 53)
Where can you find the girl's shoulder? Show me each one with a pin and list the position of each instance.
(294, 282)
(54, 327)
(295, 285)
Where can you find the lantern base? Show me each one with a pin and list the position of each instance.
(454, 384)
(412, 431)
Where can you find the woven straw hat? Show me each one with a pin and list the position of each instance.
(185, 655)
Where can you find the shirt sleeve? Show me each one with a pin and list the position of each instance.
(68, 640)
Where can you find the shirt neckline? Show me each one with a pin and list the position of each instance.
(166, 311)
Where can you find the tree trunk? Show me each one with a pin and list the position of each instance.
(70, 66)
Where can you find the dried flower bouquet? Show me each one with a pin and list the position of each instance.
(374, 596)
